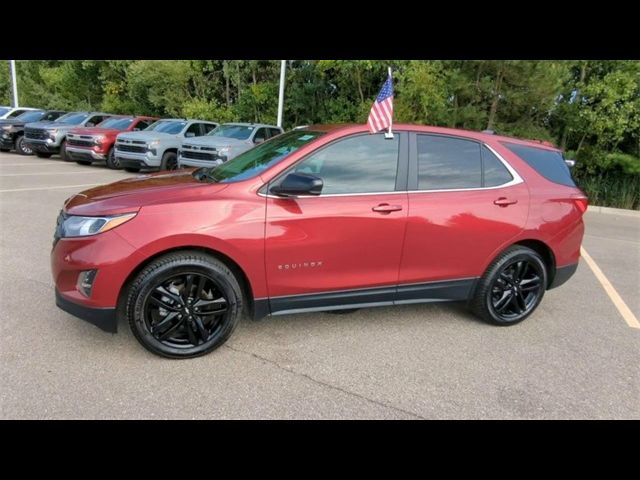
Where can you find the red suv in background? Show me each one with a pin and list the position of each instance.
(95, 144)
(321, 218)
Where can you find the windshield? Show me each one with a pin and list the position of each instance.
(117, 123)
(166, 126)
(4, 110)
(239, 132)
(30, 116)
(258, 159)
(72, 118)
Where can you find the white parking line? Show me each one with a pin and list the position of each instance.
(49, 188)
(622, 307)
(47, 173)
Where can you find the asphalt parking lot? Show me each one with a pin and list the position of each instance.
(576, 357)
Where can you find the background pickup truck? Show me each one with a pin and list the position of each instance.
(12, 129)
(157, 146)
(95, 144)
(224, 143)
(45, 138)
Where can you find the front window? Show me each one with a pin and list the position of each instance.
(30, 116)
(116, 123)
(239, 132)
(254, 161)
(72, 118)
(172, 127)
(16, 113)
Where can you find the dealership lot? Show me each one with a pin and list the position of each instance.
(576, 357)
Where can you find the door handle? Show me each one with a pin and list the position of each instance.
(386, 208)
(504, 202)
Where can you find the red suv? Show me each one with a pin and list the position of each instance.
(95, 144)
(321, 218)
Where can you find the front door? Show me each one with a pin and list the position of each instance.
(343, 246)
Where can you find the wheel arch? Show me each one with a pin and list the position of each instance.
(545, 251)
(243, 279)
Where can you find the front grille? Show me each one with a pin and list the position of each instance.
(199, 155)
(35, 133)
(79, 143)
(130, 148)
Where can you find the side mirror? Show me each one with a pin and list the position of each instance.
(189, 134)
(296, 184)
(136, 129)
(89, 124)
(570, 163)
(258, 140)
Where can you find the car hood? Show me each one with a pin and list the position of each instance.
(147, 136)
(50, 124)
(131, 194)
(95, 131)
(217, 142)
(11, 121)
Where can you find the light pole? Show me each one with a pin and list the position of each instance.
(283, 68)
(14, 84)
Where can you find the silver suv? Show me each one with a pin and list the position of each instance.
(157, 146)
(224, 143)
(47, 138)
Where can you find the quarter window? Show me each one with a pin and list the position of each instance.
(448, 163)
(495, 173)
(359, 164)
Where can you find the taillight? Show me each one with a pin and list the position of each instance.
(582, 202)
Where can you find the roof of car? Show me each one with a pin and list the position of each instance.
(482, 136)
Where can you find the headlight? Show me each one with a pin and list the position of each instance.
(153, 144)
(98, 140)
(7, 127)
(224, 150)
(75, 226)
(53, 131)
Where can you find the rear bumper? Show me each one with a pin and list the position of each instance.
(563, 274)
(78, 153)
(102, 317)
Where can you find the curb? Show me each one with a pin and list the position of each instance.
(614, 211)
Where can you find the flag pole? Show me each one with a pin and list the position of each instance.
(389, 133)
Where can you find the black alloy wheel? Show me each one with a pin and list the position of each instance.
(512, 287)
(184, 304)
(112, 161)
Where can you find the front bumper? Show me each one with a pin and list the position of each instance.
(104, 318)
(137, 160)
(86, 154)
(7, 142)
(42, 146)
(190, 162)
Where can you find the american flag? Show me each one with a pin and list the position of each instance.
(382, 109)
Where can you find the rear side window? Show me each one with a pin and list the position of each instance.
(495, 173)
(448, 163)
(547, 163)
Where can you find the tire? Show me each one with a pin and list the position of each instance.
(21, 147)
(83, 162)
(43, 155)
(159, 294)
(169, 161)
(132, 169)
(112, 162)
(500, 297)
(63, 152)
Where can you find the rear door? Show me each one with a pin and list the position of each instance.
(465, 203)
(346, 243)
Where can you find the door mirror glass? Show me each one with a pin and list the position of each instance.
(189, 134)
(90, 124)
(295, 184)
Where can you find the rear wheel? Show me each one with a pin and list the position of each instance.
(169, 161)
(184, 304)
(63, 151)
(132, 169)
(43, 155)
(21, 147)
(511, 288)
(112, 161)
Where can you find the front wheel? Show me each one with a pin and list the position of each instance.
(511, 288)
(112, 161)
(184, 304)
(169, 161)
(21, 147)
(63, 152)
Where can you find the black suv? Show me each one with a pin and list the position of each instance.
(12, 129)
